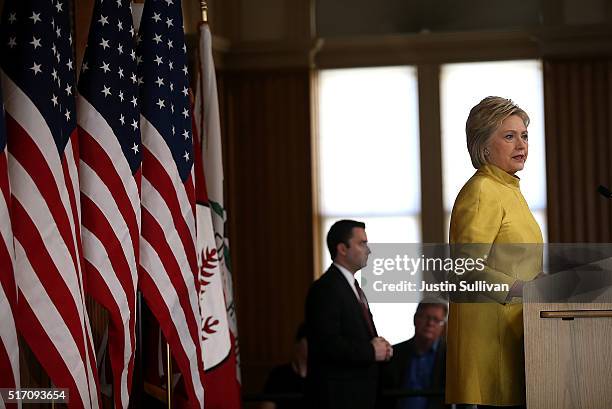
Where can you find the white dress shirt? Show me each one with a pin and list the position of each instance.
(349, 277)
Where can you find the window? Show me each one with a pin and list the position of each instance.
(369, 159)
(369, 164)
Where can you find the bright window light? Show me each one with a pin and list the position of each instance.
(368, 164)
(369, 146)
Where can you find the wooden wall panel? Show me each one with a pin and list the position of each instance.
(266, 126)
(432, 197)
(578, 105)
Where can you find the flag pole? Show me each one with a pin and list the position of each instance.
(204, 10)
(169, 375)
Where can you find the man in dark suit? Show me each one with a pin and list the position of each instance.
(344, 348)
(420, 362)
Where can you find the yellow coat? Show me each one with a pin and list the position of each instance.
(485, 359)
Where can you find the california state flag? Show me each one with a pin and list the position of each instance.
(219, 333)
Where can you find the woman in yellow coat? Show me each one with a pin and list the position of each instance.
(485, 361)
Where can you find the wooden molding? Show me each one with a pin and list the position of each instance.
(575, 41)
(415, 49)
(270, 55)
(425, 48)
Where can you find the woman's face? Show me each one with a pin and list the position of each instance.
(508, 145)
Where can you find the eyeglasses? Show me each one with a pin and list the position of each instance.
(431, 318)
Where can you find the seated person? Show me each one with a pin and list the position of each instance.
(289, 379)
(420, 362)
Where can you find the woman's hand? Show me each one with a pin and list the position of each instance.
(516, 290)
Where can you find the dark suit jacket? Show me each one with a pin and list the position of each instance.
(342, 371)
(394, 371)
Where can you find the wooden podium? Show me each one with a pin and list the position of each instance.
(568, 339)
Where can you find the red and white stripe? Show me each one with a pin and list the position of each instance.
(48, 265)
(110, 201)
(168, 257)
(9, 348)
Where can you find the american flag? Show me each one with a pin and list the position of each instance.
(39, 90)
(9, 349)
(110, 150)
(168, 257)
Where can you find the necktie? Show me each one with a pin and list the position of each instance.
(363, 301)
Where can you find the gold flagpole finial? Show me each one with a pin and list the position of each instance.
(204, 9)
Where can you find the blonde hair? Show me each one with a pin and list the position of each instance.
(483, 121)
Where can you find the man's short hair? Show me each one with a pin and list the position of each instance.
(432, 302)
(341, 232)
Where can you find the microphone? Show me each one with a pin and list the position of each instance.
(604, 191)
